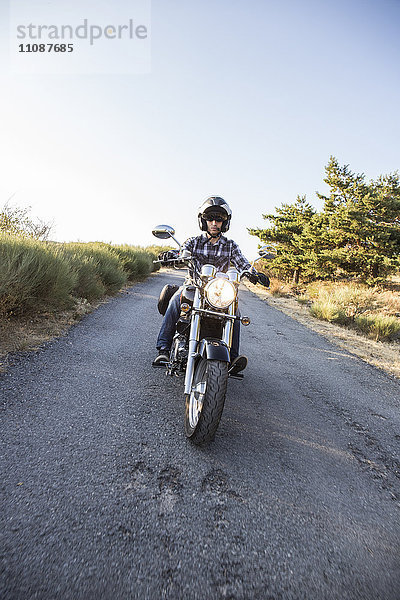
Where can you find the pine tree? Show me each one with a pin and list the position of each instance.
(360, 229)
(285, 234)
(357, 233)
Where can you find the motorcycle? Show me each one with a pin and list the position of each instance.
(202, 342)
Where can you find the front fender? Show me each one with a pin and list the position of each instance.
(214, 349)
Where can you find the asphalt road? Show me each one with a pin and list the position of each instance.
(102, 496)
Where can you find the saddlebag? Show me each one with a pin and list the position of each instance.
(165, 296)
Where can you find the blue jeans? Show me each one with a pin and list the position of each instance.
(170, 320)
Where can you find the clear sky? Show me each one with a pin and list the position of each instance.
(244, 99)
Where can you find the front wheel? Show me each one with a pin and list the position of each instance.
(205, 403)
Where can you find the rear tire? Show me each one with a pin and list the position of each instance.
(204, 405)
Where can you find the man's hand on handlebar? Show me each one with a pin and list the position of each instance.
(167, 257)
(173, 258)
(263, 279)
(260, 278)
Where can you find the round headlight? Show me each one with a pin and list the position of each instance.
(220, 293)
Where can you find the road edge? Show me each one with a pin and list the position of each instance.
(383, 355)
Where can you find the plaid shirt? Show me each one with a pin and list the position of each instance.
(222, 254)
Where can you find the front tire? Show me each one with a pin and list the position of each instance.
(205, 403)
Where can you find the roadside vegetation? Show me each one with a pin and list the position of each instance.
(37, 276)
(47, 285)
(373, 311)
(342, 262)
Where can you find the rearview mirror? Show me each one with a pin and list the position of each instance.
(263, 252)
(163, 232)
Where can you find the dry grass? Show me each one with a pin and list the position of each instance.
(373, 311)
(378, 327)
(382, 354)
(280, 289)
(329, 311)
(19, 334)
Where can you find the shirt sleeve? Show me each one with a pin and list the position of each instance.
(238, 260)
(188, 245)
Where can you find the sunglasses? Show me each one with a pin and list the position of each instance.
(217, 218)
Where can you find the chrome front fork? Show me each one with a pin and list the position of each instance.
(193, 341)
(227, 334)
(194, 337)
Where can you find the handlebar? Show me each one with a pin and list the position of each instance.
(171, 260)
(183, 260)
(245, 273)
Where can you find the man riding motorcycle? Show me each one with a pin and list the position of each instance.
(211, 247)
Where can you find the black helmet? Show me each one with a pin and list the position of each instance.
(215, 205)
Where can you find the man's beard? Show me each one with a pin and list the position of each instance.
(215, 235)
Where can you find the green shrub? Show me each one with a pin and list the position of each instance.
(33, 275)
(154, 251)
(379, 327)
(17, 221)
(88, 284)
(144, 263)
(109, 268)
(37, 275)
(329, 311)
(137, 262)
